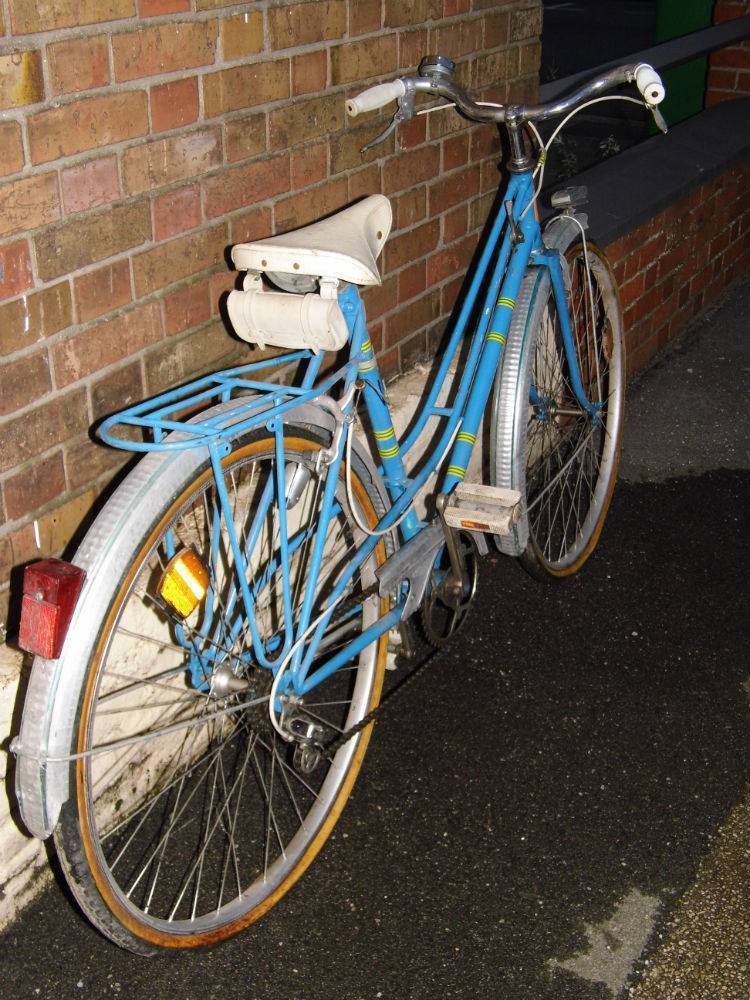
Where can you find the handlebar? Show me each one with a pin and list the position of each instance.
(436, 78)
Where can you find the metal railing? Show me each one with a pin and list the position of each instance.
(663, 56)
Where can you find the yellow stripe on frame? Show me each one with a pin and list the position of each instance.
(388, 452)
(368, 367)
(384, 435)
(503, 301)
(500, 338)
(456, 470)
(465, 436)
(367, 346)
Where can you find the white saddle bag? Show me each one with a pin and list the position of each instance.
(281, 319)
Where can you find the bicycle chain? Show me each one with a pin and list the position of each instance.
(377, 713)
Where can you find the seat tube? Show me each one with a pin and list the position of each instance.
(389, 449)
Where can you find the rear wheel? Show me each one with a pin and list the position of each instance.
(192, 816)
(562, 459)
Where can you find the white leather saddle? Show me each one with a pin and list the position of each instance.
(345, 247)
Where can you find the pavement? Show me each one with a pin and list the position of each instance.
(558, 807)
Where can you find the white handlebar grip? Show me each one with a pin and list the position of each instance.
(375, 97)
(648, 81)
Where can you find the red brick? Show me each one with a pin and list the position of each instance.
(413, 317)
(455, 151)
(86, 462)
(21, 79)
(406, 170)
(451, 261)
(155, 8)
(245, 137)
(28, 16)
(166, 161)
(174, 104)
(359, 61)
(253, 225)
(23, 381)
(381, 299)
(309, 205)
(496, 28)
(399, 13)
(409, 208)
(115, 390)
(85, 240)
(87, 124)
(238, 186)
(242, 35)
(364, 182)
(186, 307)
(100, 346)
(168, 263)
(180, 359)
(102, 291)
(245, 86)
(411, 281)
(293, 24)
(459, 38)
(412, 46)
(411, 245)
(34, 317)
(164, 48)
(43, 427)
(221, 284)
(38, 484)
(176, 211)
(309, 165)
(11, 148)
(455, 224)
(364, 16)
(301, 121)
(413, 133)
(95, 182)
(28, 202)
(309, 72)
(78, 64)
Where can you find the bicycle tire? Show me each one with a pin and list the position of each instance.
(163, 491)
(563, 463)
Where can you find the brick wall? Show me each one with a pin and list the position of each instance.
(729, 69)
(679, 262)
(139, 139)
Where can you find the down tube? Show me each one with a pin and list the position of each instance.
(496, 335)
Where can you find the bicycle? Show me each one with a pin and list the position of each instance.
(203, 694)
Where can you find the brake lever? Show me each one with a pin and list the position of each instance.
(659, 118)
(404, 113)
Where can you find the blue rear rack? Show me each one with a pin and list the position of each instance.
(165, 414)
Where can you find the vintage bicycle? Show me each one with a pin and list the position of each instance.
(209, 663)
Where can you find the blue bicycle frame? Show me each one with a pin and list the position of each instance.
(513, 244)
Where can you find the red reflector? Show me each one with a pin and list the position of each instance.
(50, 591)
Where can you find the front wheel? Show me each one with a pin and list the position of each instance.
(544, 444)
(190, 815)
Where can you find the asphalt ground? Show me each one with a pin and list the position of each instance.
(557, 806)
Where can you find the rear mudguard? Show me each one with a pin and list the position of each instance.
(43, 769)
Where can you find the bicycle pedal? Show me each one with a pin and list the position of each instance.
(477, 507)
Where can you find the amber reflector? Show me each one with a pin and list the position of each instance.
(184, 582)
